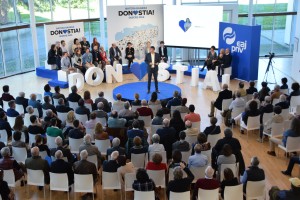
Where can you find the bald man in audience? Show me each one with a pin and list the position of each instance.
(144, 110)
(91, 149)
(190, 131)
(83, 166)
(60, 166)
(35, 162)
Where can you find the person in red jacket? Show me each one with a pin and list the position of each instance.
(144, 110)
(156, 163)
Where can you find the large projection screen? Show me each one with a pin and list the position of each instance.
(192, 26)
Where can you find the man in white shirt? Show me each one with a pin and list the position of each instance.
(156, 147)
(152, 59)
(238, 102)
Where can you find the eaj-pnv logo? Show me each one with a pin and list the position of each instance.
(229, 36)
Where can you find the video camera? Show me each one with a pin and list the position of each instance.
(271, 55)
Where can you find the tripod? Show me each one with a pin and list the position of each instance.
(270, 65)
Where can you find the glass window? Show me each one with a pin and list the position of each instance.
(168, 2)
(61, 10)
(79, 9)
(11, 52)
(1, 60)
(26, 49)
(7, 13)
(134, 2)
(189, 1)
(41, 45)
(115, 2)
(94, 8)
(266, 33)
(23, 12)
(42, 10)
(147, 2)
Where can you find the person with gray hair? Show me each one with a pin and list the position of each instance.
(224, 94)
(126, 113)
(112, 164)
(255, 97)
(115, 147)
(61, 107)
(100, 113)
(107, 105)
(60, 166)
(21, 100)
(283, 103)
(144, 110)
(167, 137)
(181, 145)
(253, 173)
(238, 102)
(66, 151)
(35, 104)
(155, 146)
(266, 107)
(83, 166)
(190, 131)
(35, 162)
(180, 184)
(207, 183)
(73, 96)
(197, 160)
(48, 104)
(90, 148)
(275, 94)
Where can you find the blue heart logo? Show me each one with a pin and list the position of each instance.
(139, 70)
(185, 25)
(65, 31)
(135, 12)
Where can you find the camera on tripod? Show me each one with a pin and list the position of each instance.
(271, 55)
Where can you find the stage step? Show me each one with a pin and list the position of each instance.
(46, 73)
(55, 82)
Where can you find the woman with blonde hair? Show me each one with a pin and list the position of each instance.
(70, 118)
(100, 134)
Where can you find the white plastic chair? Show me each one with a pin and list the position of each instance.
(225, 105)
(146, 119)
(158, 176)
(20, 154)
(186, 155)
(208, 194)
(43, 154)
(284, 91)
(191, 139)
(73, 105)
(255, 190)
(62, 116)
(285, 113)
(93, 159)
(155, 108)
(102, 145)
(213, 139)
(84, 183)
(129, 179)
(59, 182)
(51, 142)
(44, 112)
(11, 121)
(55, 101)
(111, 181)
(292, 145)
(23, 138)
(196, 125)
(81, 118)
(287, 124)
(162, 153)
(173, 108)
(236, 111)
(275, 101)
(3, 136)
(166, 116)
(139, 160)
(134, 108)
(117, 108)
(267, 116)
(179, 195)
(253, 123)
(198, 172)
(234, 167)
(276, 130)
(36, 112)
(233, 192)
(89, 106)
(138, 195)
(102, 121)
(31, 139)
(74, 144)
(294, 102)
(208, 155)
(9, 177)
(91, 132)
(5, 105)
(36, 178)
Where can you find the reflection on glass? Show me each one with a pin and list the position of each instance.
(1, 61)
(79, 9)
(26, 49)
(94, 8)
(41, 45)
(266, 34)
(42, 10)
(11, 52)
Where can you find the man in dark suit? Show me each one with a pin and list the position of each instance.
(21, 100)
(60, 166)
(115, 147)
(61, 107)
(47, 105)
(85, 167)
(112, 164)
(152, 59)
(227, 58)
(66, 152)
(115, 54)
(163, 52)
(73, 96)
(85, 44)
(4, 125)
(129, 53)
(82, 110)
(225, 94)
(167, 137)
(176, 101)
(106, 104)
(76, 133)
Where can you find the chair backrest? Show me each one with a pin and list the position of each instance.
(35, 177)
(154, 128)
(134, 108)
(183, 115)
(155, 108)
(233, 167)
(23, 138)
(295, 101)
(146, 119)
(62, 116)
(129, 179)
(54, 159)
(81, 118)
(162, 153)
(277, 129)
(198, 172)
(73, 105)
(171, 174)
(9, 177)
(166, 116)
(27, 121)
(285, 113)
(59, 182)
(102, 121)
(117, 107)
(43, 154)
(138, 195)
(253, 123)
(39, 97)
(179, 195)
(287, 124)
(20, 154)
(51, 142)
(207, 154)
(208, 194)
(93, 159)
(226, 103)
(186, 155)
(74, 144)
(31, 139)
(89, 106)
(55, 102)
(233, 192)
(236, 111)
(36, 112)
(102, 145)
(139, 160)
(191, 139)
(293, 144)
(3, 136)
(255, 189)
(196, 125)
(213, 139)
(284, 91)
(11, 121)
(110, 181)
(172, 109)
(91, 132)
(44, 112)
(5, 105)
(275, 101)
(158, 176)
(267, 116)
(83, 183)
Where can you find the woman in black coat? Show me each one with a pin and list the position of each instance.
(52, 56)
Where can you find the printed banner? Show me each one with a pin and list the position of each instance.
(135, 24)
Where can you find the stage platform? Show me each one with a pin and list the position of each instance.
(128, 90)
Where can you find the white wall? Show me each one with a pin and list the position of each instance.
(296, 55)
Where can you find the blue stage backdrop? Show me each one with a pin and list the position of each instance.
(243, 42)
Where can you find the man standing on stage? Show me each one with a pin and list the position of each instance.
(152, 59)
